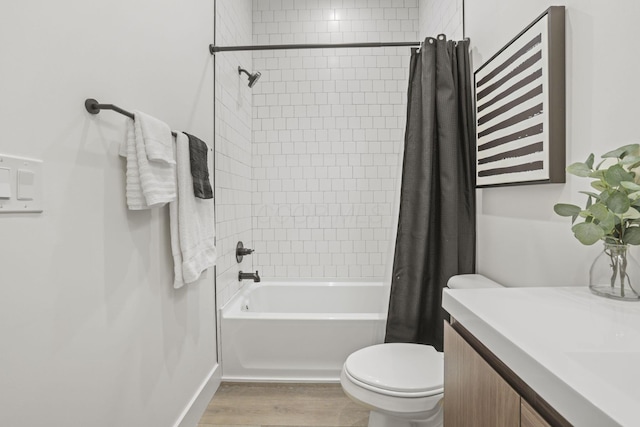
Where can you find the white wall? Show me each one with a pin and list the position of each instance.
(92, 331)
(233, 145)
(328, 126)
(520, 240)
(441, 17)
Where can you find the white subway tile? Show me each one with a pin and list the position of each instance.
(328, 125)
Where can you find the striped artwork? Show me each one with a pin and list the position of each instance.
(512, 111)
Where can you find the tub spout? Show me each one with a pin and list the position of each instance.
(245, 276)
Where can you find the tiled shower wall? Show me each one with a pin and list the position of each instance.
(233, 144)
(328, 129)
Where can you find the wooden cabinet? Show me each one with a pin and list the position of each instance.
(529, 417)
(476, 395)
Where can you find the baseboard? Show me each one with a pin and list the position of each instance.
(283, 379)
(198, 403)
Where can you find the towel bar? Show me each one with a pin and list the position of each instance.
(93, 107)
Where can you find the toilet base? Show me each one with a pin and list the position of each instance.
(380, 419)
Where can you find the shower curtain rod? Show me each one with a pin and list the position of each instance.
(213, 49)
(93, 107)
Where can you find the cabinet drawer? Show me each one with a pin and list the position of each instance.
(529, 417)
(475, 394)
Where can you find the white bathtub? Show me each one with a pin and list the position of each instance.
(299, 331)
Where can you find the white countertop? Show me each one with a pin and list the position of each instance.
(580, 352)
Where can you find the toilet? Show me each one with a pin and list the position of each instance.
(401, 383)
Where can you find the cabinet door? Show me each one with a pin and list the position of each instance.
(475, 394)
(529, 417)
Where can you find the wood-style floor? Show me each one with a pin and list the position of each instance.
(279, 405)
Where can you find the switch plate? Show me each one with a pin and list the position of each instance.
(26, 184)
(25, 178)
(5, 183)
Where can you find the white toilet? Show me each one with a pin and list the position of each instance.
(402, 384)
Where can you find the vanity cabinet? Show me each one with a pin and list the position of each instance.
(529, 417)
(476, 395)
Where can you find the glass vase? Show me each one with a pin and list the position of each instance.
(615, 274)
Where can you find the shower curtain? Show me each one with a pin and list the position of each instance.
(436, 225)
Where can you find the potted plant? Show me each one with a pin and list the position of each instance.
(611, 215)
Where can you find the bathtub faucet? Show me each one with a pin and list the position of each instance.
(241, 252)
(245, 276)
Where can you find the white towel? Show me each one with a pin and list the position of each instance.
(150, 162)
(192, 223)
(135, 197)
(156, 162)
(158, 141)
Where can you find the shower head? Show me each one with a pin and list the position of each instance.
(253, 78)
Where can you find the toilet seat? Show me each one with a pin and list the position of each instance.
(397, 369)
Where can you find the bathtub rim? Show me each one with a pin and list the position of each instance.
(231, 312)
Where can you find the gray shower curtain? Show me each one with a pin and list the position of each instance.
(436, 225)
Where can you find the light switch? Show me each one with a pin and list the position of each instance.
(21, 189)
(26, 184)
(5, 183)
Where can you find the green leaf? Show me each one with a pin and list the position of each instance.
(630, 185)
(632, 236)
(579, 169)
(597, 174)
(589, 161)
(564, 209)
(630, 160)
(612, 240)
(599, 211)
(621, 152)
(631, 214)
(587, 233)
(616, 174)
(618, 202)
(608, 224)
(634, 196)
(589, 193)
(599, 185)
(600, 164)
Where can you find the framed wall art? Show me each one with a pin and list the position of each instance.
(520, 107)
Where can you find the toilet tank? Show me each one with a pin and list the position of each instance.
(471, 281)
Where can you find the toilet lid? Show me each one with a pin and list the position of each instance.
(399, 367)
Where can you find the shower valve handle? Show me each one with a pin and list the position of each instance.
(241, 251)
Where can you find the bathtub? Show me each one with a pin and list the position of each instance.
(299, 331)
